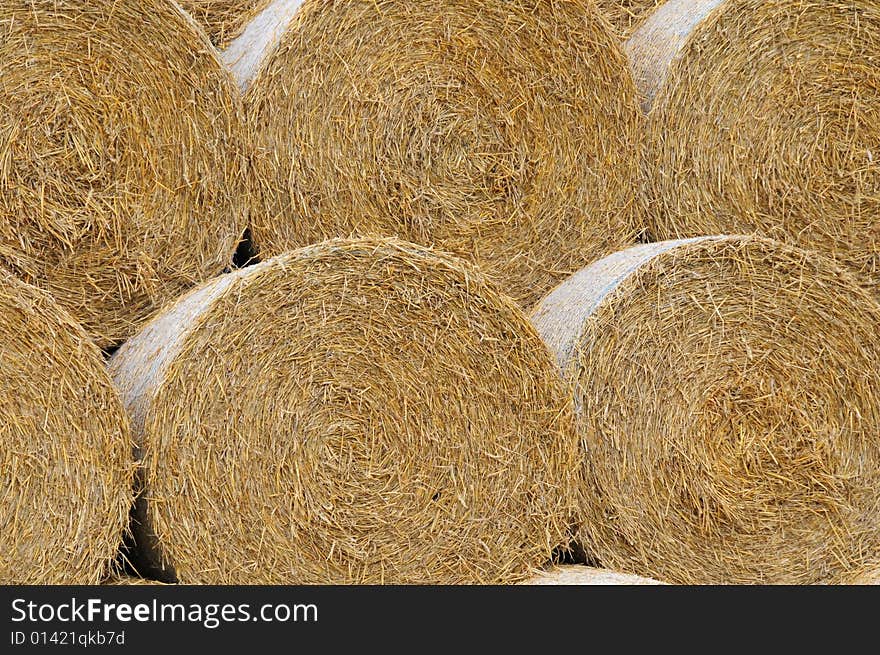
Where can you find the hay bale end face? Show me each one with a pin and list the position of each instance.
(223, 20)
(728, 390)
(65, 447)
(507, 133)
(121, 157)
(765, 118)
(627, 15)
(352, 412)
(586, 575)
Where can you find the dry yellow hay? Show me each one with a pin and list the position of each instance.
(505, 132)
(586, 575)
(120, 579)
(65, 446)
(627, 15)
(729, 396)
(765, 118)
(868, 576)
(352, 412)
(121, 154)
(223, 20)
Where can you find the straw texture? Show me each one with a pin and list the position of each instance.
(65, 447)
(507, 133)
(223, 20)
(585, 575)
(765, 118)
(118, 580)
(361, 411)
(121, 156)
(869, 576)
(627, 15)
(728, 390)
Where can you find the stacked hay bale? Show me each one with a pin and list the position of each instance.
(765, 118)
(586, 575)
(356, 411)
(223, 20)
(729, 396)
(507, 133)
(627, 15)
(65, 447)
(121, 156)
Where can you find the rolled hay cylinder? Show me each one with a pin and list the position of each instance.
(728, 392)
(223, 20)
(363, 411)
(765, 118)
(65, 446)
(506, 133)
(586, 575)
(627, 15)
(121, 157)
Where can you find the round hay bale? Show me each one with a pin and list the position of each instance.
(223, 20)
(361, 411)
(729, 396)
(65, 446)
(586, 575)
(765, 118)
(627, 15)
(121, 154)
(504, 132)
